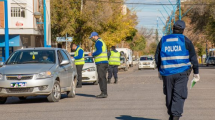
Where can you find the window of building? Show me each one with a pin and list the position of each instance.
(17, 12)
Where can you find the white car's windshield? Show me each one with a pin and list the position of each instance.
(89, 60)
(146, 58)
(32, 56)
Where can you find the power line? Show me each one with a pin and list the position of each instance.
(148, 3)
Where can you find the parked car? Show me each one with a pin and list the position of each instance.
(210, 61)
(123, 63)
(89, 72)
(146, 62)
(38, 71)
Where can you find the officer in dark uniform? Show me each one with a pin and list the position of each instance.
(174, 56)
(114, 62)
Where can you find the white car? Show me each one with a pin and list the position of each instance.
(146, 62)
(210, 61)
(89, 72)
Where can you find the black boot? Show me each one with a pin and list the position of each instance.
(102, 95)
(176, 118)
(116, 81)
(170, 117)
(109, 81)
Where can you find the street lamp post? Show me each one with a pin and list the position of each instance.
(6, 29)
(37, 15)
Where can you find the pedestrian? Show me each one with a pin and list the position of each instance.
(174, 57)
(114, 62)
(101, 60)
(79, 62)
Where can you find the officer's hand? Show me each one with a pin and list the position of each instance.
(159, 76)
(90, 54)
(196, 77)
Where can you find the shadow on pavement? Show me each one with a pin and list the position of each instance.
(30, 100)
(86, 95)
(127, 117)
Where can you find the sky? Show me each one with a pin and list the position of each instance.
(148, 14)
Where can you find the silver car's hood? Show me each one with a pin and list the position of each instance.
(25, 68)
(88, 65)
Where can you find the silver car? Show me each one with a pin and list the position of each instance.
(38, 71)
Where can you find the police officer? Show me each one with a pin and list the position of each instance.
(114, 62)
(174, 56)
(101, 60)
(79, 62)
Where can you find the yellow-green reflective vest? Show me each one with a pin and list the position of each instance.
(103, 56)
(114, 58)
(79, 61)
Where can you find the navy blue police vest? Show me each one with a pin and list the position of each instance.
(174, 55)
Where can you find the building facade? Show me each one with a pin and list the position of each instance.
(23, 28)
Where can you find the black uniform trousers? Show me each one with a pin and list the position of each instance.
(79, 72)
(102, 71)
(112, 71)
(175, 89)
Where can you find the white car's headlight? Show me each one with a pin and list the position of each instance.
(91, 69)
(43, 75)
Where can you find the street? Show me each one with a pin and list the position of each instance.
(137, 96)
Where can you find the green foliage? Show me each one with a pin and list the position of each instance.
(103, 17)
(139, 44)
(153, 47)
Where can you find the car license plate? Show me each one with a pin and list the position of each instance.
(18, 84)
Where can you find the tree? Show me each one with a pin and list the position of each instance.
(105, 18)
(156, 36)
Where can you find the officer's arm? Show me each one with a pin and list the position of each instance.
(157, 55)
(98, 48)
(80, 54)
(193, 57)
(109, 54)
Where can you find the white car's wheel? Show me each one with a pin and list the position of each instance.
(3, 100)
(72, 92)
(56, 93)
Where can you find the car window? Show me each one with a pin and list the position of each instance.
(60, 57)
(89, 60)
(65, 57)
(146, 58)
(32, 57)
(67, 54)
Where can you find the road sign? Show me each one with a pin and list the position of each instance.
(64, 39)
(204, 56)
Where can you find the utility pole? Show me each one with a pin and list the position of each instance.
(6, 29)
(81, 6)
(44, 22)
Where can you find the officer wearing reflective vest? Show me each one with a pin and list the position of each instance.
(79, 62)
(101, 60)
(114, 62)
(176, 57)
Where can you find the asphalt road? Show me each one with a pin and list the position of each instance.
(137, 96)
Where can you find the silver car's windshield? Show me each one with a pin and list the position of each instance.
(32, 56)
(146, 58)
